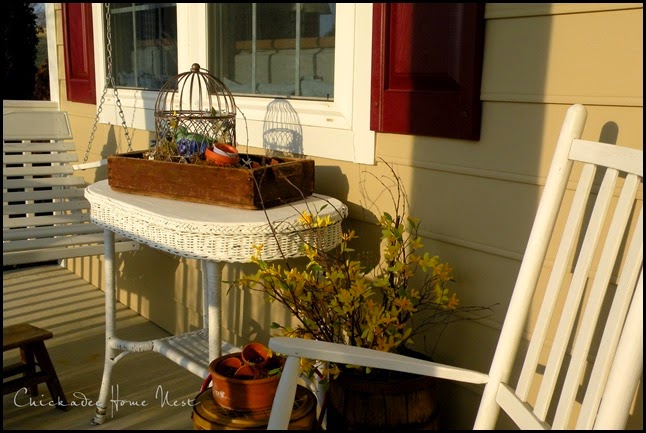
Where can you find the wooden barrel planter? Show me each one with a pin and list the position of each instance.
(407, 402)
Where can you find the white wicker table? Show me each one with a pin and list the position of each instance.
(213, 234)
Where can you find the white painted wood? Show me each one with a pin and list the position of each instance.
(592, 314)
(48, 194)
(562, 263)
(612, 334)
(325, 351)
(285, 394)
(519, 410)
(25, 143)
(30, 221)
(88, 165)
(627, 368)
(12, 105)
(36, 125)
(546, 214)
(45, 215)
(60, 230)
(62, 241)
(574, 296)
(601, 242)
(608, 155)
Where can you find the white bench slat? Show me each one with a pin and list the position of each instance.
(48, 194)
(43, 182)
(44, 255)
(37, 170)
(39, 158)
(61, 241)
(30, 146)
(45, 220)
(50, 231)
(60, 206)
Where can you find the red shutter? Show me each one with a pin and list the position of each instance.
(427, 69)
(79, 52)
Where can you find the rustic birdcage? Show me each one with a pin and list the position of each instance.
(194, 110)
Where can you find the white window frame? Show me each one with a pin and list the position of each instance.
(338, 129)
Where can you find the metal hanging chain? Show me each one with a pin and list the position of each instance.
(109, 79)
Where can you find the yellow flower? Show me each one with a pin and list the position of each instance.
(323, 222)
(453, 302)
(443, 271)
(404, 304)
(306, 218)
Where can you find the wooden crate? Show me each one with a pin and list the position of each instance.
(284, 180)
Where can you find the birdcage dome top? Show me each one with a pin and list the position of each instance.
(195, 93)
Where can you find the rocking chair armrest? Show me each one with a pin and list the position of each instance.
(341, 353)
(296, 348)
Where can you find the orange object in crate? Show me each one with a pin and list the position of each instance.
(222, 154)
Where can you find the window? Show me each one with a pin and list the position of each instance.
(332, 114)
(144, 44)
(255, 55)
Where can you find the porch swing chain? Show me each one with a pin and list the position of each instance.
(109, 79)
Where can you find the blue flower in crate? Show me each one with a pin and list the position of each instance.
(183, 147)
(188, 148)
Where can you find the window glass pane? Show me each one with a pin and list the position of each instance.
(273, 49)
(144, 44)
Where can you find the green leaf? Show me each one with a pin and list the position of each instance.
(274, 371)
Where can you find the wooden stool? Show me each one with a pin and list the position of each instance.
(31, 342)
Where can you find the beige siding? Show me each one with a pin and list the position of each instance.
(556, 59)
(476, 199)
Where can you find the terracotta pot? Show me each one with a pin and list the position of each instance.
(229, 366)
(256, 354)
(247, 372)
(222, 154)
(241, 394)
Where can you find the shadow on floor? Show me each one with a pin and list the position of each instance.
(149, 392)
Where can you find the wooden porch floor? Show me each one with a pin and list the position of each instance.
(54, 298)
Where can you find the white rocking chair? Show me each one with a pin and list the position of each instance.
(605, 270)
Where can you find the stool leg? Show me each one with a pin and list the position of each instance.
(53, 385)
(27, 358)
